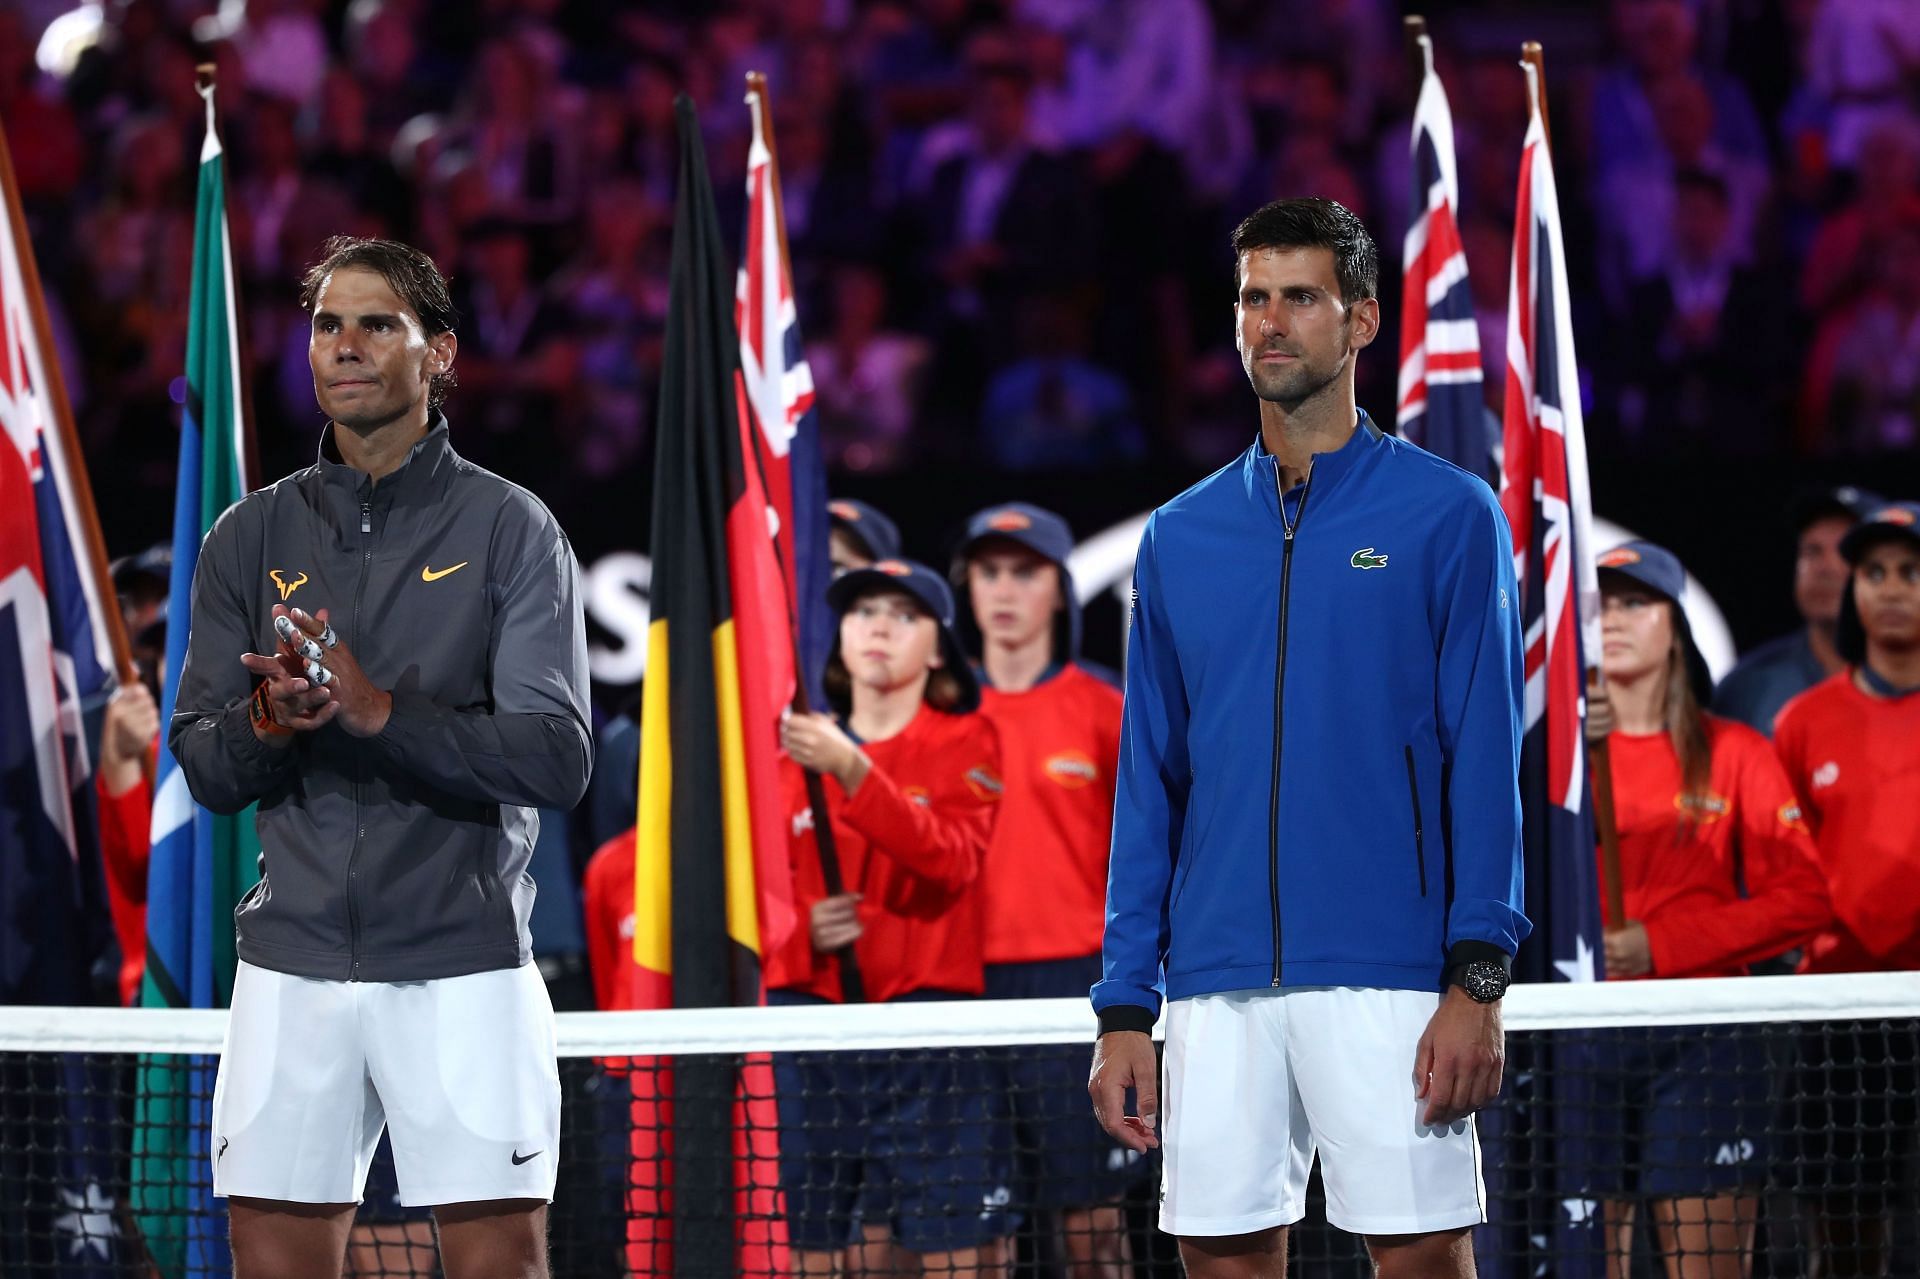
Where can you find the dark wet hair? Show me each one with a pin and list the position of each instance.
(408, 272)
(1314, 223)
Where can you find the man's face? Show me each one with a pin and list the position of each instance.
(372, 362)
(1819, 574)
(1294, 334)
(1886, 590)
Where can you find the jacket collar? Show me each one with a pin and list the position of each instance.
(424, 467)
(1258, 467)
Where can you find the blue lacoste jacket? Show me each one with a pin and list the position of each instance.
(1318, 779)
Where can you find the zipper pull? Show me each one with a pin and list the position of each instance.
(366, 517)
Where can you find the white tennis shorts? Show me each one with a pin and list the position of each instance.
(1257, 1081)
(462, 1070)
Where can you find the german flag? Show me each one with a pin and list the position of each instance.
(711, 885)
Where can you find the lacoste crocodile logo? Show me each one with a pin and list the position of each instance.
(286, 588)
(1365, 558)
(434, 575)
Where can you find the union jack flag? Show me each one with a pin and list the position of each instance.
(1441, 407)
(1543, 484)
(779, 394)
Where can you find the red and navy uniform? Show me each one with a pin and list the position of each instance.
(125, 833)
(902, 1135)
(1046, 907)
(1719, 880)
(1855, 762)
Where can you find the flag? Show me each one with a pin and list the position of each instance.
(201, 863)
(1537, 1159)
(712, 889)
(57, 1166)
(1440, 408)
(780, 395)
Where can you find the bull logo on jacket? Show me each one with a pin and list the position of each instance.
(286, 588)
(1072, 769)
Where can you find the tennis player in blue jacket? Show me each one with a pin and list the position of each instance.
(1316, 842)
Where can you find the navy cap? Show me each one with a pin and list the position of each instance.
(1654, 567)
(1043, 533)
(1040, 531)
(926, 586)
(1659, 570)
(1844, 501)
(1884, 521)
(880, 535)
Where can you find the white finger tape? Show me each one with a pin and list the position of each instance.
(284, 625)
(328, 638)
(318, 673)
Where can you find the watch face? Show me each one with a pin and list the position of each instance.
(1485, 982)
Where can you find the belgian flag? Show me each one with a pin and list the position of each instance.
(712, 887)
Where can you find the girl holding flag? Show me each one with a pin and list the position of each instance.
(912, 779)
(1717, 871)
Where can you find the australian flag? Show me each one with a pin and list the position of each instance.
(1539, 1172)
(779, 394)
(1441, 406)
(58, 1175)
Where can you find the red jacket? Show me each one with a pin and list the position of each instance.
(1855, 761)
(126, 833)
(912, 841)
(1046, 877)
(1681, 880)
(607, 903)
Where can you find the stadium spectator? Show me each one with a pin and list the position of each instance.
(1862, 388)
(1679, 1119)
(1045, 880)
(1851, 746)
(1056, 408)
(912, 780)
(867, 375)
(1770, 676)
(1844, 259)
(1702, 354)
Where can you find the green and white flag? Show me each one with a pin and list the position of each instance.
(202, 862)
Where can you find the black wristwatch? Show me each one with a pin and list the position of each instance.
(1482, 979)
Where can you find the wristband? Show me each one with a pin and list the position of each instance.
(259, 710)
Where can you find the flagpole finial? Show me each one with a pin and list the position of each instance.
(1419, 44)
(1534, 60)
(204, 74)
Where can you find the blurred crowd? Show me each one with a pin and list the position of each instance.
(1006, 215)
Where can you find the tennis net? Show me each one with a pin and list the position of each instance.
(1764, 1118)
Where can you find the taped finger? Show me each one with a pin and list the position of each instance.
(328, 638)
(317, 673)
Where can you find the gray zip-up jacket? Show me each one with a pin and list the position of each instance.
(403, 856)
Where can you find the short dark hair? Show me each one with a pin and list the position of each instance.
(408, 272)
(1314, 223)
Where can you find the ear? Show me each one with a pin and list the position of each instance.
(441, 348)
(1364, 317)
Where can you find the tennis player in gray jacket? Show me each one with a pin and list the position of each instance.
(388, 655)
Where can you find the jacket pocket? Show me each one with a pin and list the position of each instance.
(1419, 837)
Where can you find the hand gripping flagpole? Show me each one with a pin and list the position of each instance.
(1599, 756)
